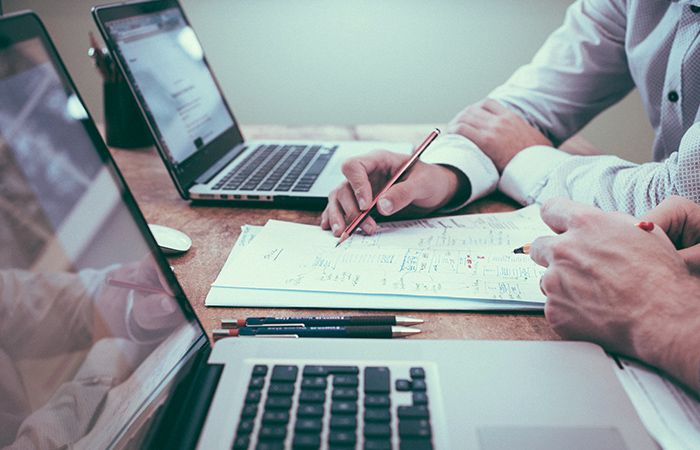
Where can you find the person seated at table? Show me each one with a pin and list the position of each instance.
(603, 50)
(634, 292)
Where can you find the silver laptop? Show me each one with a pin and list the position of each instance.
(193, 126)
(99, 347)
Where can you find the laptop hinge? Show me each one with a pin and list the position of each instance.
(214, 170)
(180, 421)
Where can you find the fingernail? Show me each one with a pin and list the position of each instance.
(386, 206)
(362, 203)
(335, 227)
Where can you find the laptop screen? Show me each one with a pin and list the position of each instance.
(166, 64)
(91, 325)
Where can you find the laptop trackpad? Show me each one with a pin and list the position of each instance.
(550, 438)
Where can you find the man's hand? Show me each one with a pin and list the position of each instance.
(680, 219)
(425, 188)
(626, 289)
(496, 130)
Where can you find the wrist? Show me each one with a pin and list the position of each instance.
(458, 187)
(674, 337)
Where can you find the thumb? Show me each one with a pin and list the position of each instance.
(399, 196)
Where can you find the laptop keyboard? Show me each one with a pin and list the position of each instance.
(278, 168)
(334, 407)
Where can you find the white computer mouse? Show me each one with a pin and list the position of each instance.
(170, 240)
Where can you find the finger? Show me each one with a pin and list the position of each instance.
(465, 129)
(357, 172)
(494, 107)
(561, 214)
(401, 195)
(679, 218)
(324, 220)
(691, 256)
(348, 204)
(336, 215)
(541, 250)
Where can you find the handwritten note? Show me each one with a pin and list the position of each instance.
(462, 257)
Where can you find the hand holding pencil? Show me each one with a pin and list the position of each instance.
(422, 189)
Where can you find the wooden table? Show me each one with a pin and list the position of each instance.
(214, 229)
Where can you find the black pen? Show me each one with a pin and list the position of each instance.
(320, 321)
(380, 332)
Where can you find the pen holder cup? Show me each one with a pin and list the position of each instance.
(124, 124)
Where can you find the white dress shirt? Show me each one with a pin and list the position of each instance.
(603, 50)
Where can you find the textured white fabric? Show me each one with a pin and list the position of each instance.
(465, 156)
(603, 50)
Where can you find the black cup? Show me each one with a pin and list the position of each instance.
(124, 125)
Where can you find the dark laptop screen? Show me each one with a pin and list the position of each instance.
(166, 64)
(91, 326)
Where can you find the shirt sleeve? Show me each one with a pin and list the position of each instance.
(608, 182)
(456, 151)
(580, 70)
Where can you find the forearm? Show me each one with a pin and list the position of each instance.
(608, 182)
(580, 71)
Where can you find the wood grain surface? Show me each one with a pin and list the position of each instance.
(214, 229)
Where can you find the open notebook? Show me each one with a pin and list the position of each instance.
(457, 262)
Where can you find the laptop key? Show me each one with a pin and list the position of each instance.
(304, 425)
(377, 380)
(417, 372)
(420, 398)
(380, 401)
(245, 427)
(270, 445)
(275, 417)
(312, 397)
(282, 389)
(413, 412)
(419, 385)
(241, 443)
(310, 410)
(284, 374)
(415, 444)
(377, 415)
(259, 370)
(252, 397)
(256, 383)
(303, 441)
(278, 403)
(322, 371)
(403, 385)
(343, 422)
(272, 433)
(313, 383)
(249, 411)
(342, 437)
(374, 444)
(377, 430)
(414, 428)
(345, 381)
(344, 394)
(343, 408)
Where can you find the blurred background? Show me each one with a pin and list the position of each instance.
(346, 62)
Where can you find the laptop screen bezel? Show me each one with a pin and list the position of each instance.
(188, 171)
(26, 25)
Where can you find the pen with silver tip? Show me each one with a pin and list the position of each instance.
(320, 321)
(380, 332)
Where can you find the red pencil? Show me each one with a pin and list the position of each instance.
(399, 173)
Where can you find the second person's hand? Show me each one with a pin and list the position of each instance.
(425, 188)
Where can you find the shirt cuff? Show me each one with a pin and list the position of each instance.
(526, 174)
(459, 152)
